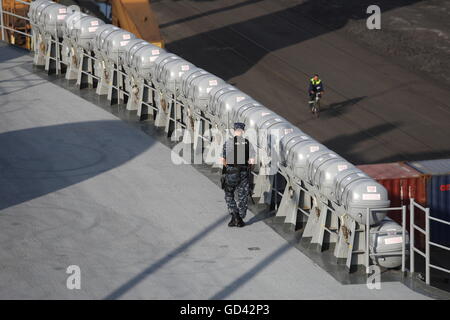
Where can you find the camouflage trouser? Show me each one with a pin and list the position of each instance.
(240, 183)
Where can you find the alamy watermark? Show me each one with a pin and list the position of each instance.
(374, 278)
(374, 21)
(74, 279)
(208, 147)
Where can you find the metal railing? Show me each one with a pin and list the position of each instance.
(6, 12)
(426, 254)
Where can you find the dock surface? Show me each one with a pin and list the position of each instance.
(373, 110)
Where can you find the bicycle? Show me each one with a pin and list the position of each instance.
(315, 108)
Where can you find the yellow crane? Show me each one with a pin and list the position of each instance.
(135, 16)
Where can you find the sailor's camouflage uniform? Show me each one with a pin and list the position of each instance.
(237, 151)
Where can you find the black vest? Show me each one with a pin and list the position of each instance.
(241, 151)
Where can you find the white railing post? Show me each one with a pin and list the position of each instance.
(427, 245)
(367, 240)
(1, 20)
(175, 122)
(56, 50)
(411, 234)
(404, 238)
(117, 81)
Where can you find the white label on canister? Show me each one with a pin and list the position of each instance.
(371, 189)
(213, 82)
(152, 59)
(394, 240)
(94, 23)
(60, 16)
(63, 10)
(314, 148)
(239, 99)
(264, 113)
(208, 89)
(123, 43)
(126, 36)
(371, 196)
(155, 52)
(342, 167)
(92, 29)
(287, 131)
(185, 67)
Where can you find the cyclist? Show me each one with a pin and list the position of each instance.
(315, 87)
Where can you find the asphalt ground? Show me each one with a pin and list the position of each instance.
(374, 109)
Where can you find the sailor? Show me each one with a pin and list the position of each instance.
(238, 156)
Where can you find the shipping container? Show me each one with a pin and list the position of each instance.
(438, 196)
(402, 183)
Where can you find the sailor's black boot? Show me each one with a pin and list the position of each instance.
(239, 222)
(233, 221)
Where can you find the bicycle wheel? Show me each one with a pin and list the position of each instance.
(317, 107)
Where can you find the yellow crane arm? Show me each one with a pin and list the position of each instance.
(137, 16)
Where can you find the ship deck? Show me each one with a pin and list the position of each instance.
(80, 186)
